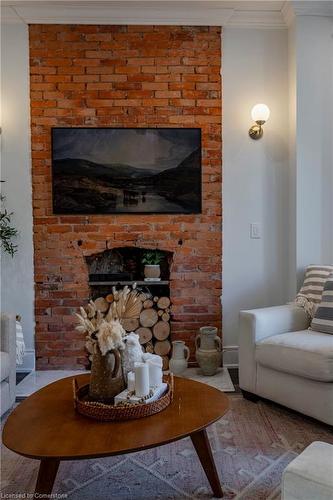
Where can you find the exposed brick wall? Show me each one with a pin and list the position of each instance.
(133, 76)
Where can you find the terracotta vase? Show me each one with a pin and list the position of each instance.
(180, 355)
(106, 379)
(152, 271)
(209, 350)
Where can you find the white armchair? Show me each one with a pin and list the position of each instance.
(7, 361)
(281, 360)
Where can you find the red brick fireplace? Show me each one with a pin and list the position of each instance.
(123, 76)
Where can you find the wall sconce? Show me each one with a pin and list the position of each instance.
(260, 114)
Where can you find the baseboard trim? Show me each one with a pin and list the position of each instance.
(228, 348)
(230, 356)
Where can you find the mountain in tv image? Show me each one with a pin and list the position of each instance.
(126, 170)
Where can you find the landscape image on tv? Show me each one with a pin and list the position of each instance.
(123, 170)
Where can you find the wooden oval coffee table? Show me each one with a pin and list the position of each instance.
(45, 426)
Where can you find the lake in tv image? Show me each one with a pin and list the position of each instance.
(124, 170)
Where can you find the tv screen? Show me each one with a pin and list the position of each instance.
(126, 170)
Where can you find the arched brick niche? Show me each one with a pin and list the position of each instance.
(125, 76)
(123, 266)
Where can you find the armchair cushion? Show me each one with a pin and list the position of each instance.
(304, 353)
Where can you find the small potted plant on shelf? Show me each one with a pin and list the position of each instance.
(151, 260)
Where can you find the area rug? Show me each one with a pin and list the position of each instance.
(252, 444)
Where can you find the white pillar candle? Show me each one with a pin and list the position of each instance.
(155, 358)
(141, 379)
(155, 374)
(131, 381)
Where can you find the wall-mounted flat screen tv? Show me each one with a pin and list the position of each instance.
(126, 170)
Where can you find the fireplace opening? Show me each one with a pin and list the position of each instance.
(118, 267)
(123, 266)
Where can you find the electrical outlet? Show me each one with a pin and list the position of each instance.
(255, 231)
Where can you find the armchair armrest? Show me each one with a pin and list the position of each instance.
(268, 321)
(257, 324)
(8, 344)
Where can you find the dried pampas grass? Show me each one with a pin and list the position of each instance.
(101, 320)
(110, 336)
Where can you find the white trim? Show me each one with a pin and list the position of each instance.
(318, 8)
(9, 16)
(160, 12)
(313, 8)
(230, 356)
(115, 14)
(288, 13)
(228, 348)
(257, 19)
(208, 13)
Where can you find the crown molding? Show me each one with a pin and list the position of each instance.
(313, 8)
(9, 16)
(288, 13)
(187, 13)
(293, 9)
(257, 19)
(123, 15)
(160, 12)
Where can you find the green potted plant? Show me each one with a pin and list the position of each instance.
(151, 260)
(7, 231)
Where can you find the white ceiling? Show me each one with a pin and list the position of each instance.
(245, 13)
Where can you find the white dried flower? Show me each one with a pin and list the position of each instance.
(110, 336)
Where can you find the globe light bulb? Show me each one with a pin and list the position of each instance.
(260, 113)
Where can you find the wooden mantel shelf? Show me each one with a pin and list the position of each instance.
(123, 283)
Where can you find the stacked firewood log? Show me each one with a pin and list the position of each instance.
(138, 312)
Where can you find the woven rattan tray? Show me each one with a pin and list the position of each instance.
(105, 412)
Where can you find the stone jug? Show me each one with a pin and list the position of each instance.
(106, 378)
(208, 350)
(179, 358)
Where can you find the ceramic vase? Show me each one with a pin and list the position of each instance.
(208, 350)
(106, 378)
(179, 358)
(152, 271)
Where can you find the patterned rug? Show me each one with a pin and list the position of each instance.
(252, 445)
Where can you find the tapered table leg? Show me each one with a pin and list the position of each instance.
(201, 444)
(46, 475)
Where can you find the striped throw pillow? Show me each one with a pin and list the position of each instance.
(310, 294)
(323, 318)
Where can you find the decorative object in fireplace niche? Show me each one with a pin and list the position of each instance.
(129, 170)
(151, 260)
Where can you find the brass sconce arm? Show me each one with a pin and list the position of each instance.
(256, 131)
(260, 114)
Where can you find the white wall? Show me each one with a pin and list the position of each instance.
(17, 283)
(313, 40)
(255, 175)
